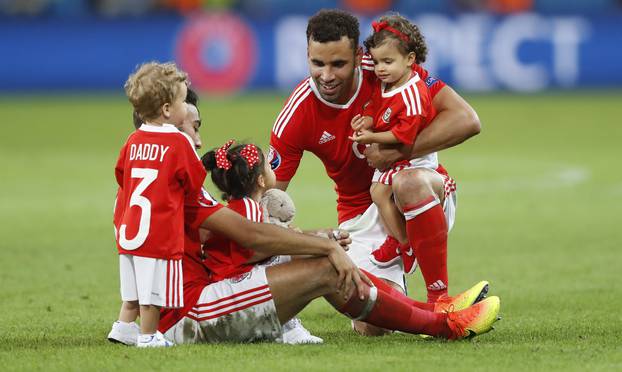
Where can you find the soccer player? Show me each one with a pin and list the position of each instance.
(156, 171)
(317, 117)
(232, 294)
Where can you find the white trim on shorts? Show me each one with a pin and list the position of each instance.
(238, 309)
(429, 161)
(151, 281)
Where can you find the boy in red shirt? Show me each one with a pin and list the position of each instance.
(156, 170)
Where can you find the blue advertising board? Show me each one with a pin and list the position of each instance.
(226, 52)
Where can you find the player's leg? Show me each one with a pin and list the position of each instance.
(391, 310)
(392, 218)
(160, 284)
(388, 252)
(125, 330)
(367, 233)
(294, 332)
(129, 311)
(419, 193)
(149, 319)
(296, 283)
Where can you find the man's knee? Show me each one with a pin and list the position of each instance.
(416, 183)
(326, 274)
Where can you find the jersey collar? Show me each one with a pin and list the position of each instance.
(413, 80)
(165, 128)
(334, 105)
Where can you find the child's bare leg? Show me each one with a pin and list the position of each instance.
(392, 217)
(149, 319)
(129, 311)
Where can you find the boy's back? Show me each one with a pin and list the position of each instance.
(156, 168)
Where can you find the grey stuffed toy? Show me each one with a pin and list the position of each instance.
(279, 207)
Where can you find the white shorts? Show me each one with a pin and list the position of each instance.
(238, 309)
(151, 281)
(368, 233)
(429, 161)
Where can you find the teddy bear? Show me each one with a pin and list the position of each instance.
(279, 207)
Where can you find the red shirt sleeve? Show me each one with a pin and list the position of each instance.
(285, 154)
(119, 167)
(198, 208)
(434, 85)
(119, 201)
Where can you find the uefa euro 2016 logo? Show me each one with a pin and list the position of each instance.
(274, 158)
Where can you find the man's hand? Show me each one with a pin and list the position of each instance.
(382, 159)
(349, 276)
(340, 236)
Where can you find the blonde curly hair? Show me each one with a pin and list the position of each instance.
(151, 86)
(416, 41)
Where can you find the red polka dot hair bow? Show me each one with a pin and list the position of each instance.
(379, 26)
(250, 153)
(221, 156)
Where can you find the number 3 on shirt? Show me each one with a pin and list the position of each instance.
(147, 177)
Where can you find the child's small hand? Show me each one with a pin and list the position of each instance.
(361, 122)
(354, 123)
(362, 136)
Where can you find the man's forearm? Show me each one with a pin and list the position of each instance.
(437, 137)
(266, 238)
(275, 240)
(455, 122)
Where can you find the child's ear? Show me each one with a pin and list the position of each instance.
(412, 57)
(166, 110)
(261, 181)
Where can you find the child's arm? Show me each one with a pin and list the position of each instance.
(366, 136)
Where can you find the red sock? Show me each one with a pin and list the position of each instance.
(392, 313)
(386, 287)
(427, 233)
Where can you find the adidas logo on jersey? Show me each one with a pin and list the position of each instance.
(326, 137)
(437, 286)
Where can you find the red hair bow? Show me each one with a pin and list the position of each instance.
(250, 153)
(221, 156)
(379, 26)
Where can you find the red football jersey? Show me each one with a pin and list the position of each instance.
(309, 123)
(196, 275)
(404, 110)
(157, 169)
(224, 257)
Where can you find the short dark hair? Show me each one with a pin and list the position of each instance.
(238, 181)
(191, 97)
(331, 25)
(416, 41)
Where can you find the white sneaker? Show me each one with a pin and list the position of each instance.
(294, 333)
(124, 333)
(155, 340)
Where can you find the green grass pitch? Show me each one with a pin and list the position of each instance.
(540, 193)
